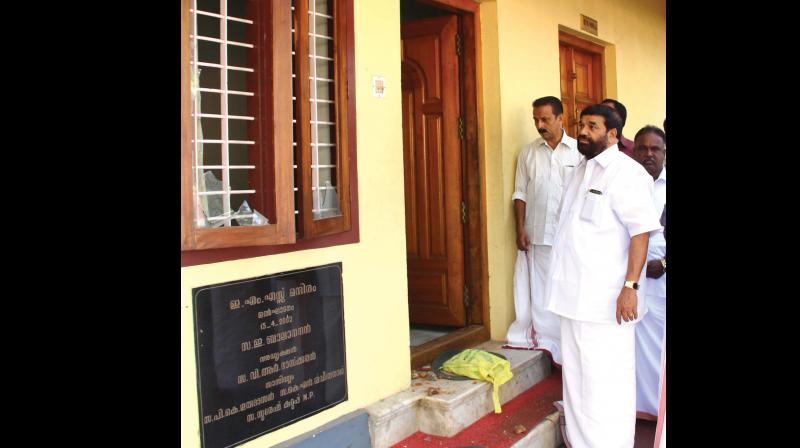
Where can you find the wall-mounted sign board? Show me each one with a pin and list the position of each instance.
(589, 24)
(270, 352)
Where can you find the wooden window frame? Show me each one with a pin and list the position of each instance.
(203, 245)
(310, 227)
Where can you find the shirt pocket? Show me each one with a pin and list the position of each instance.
(566, 173)
(592, 207)
(540, 177)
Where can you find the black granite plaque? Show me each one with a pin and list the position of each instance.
(270, 351)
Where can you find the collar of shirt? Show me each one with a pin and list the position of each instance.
(605, 157)
(663, 176)
(564, 142)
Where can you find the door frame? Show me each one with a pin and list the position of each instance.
(475, 237)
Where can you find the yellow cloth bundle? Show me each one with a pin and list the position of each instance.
(481, 365)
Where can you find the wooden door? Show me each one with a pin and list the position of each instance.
(581, 67)
(433, 172)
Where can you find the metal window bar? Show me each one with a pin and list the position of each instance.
(229, 92)
(222, 41)
(212, 193)
(320, 36)
(229, 117)
(319, 14)
(221, 217)
(212, 14)
(233, 167)
(228, 218)
(233, 142)
(223, 66)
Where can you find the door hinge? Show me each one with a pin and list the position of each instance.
(466, 296)
(459, 44)
(461, 130)
(463, 212)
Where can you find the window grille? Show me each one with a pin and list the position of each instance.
(222, 139)
(322, 97)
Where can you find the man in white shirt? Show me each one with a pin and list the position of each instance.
(598, 257)
(649, 149)
(542, 169)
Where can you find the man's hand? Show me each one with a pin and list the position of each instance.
(519, 218)
(655, 269)
(626, 305)
(522, 240)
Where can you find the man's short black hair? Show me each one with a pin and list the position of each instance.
(554, 103)
(652, 129)
(612, 119)
(619, 107)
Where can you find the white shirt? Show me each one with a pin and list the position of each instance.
(657, 247)
(541, 175)
(590, 250)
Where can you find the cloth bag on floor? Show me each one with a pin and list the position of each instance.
(481, 365)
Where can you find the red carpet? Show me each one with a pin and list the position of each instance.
(497, 430)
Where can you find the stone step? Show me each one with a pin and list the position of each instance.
(547, 434)
(458, 403)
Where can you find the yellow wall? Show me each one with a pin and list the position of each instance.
(374, 279)
(527, 67)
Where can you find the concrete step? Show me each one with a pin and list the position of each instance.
(547, 434)
(458, 403)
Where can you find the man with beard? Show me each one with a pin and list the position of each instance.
(542, 169)
(650, 150)
(598, 256)
(624, 145)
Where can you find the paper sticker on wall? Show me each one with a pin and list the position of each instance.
(378, 86)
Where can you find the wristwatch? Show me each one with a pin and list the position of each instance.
(664, 264)
(631, 284)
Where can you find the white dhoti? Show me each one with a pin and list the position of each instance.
(535, 327)
(661, 427)
(649, 337)
(599, 391)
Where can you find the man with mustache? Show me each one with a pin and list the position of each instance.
(542, 170)
(650, 150)
(624, 144)
(597, 261)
